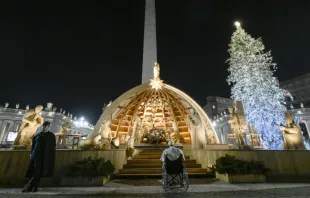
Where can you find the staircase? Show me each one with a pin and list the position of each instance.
(147, 163)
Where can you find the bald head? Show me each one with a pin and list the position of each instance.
(170, 143)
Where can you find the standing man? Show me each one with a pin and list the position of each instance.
(42, 158)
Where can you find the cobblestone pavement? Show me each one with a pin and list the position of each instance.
(213, 190)
(297, 192)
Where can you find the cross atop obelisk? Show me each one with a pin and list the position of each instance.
(149, 43)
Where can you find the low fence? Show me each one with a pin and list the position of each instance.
(284, 165)
(14, 164)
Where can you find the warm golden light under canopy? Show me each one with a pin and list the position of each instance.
(159, 108)
(156, 105)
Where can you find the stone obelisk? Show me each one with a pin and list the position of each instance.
(149, 43)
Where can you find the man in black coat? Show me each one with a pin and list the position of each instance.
(42, 158)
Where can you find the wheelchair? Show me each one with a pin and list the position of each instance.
(177, 172)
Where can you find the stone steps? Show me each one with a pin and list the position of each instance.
(147, 163)
(151, 157)
(155, 175)
(150, 153)
(140, 161)
(147, 171)
(158, 165)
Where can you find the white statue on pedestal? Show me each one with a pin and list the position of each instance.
(130, 146)
(100, 141)
(32, 120)
(292, 136)
(195, 118)
(105, 106)
(174, 136)
(138, 131)
(17, 106)
(64, 132)
(64, 129)
(156, 70)
(105, 131)
(235, 126)
(49, 106)
(6, 105)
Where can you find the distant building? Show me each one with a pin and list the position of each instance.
(299, 87)
(215, 106)
(11, 119)
(217, 110)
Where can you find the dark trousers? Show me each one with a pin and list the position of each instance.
(34, 173)
(34, 181)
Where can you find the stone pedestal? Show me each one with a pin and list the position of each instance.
(20, 147)
(123, 146)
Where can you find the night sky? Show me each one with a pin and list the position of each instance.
(82, 55)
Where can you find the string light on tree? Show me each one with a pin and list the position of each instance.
(237, 24)
(251, 76)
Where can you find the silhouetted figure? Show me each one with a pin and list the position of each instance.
(42, 158)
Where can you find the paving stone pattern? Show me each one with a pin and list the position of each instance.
(216, 190)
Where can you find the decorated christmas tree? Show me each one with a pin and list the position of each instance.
(251, 76)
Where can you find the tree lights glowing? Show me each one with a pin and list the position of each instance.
(237, 24)
(251, 75)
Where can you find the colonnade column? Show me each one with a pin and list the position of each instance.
(307, 123)
(1, 131)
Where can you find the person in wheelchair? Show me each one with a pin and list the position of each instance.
(172, 153)
(174, 171)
